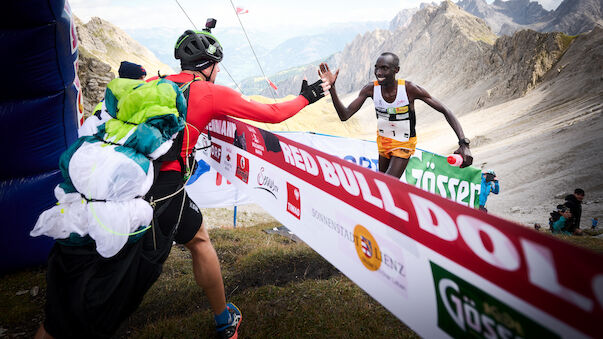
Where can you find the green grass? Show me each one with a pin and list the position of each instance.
(284, 289)
(566, 40)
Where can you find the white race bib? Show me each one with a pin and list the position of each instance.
(397, 130)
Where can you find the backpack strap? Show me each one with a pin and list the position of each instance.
(175, 152)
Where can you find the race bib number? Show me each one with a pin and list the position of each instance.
(397, 130)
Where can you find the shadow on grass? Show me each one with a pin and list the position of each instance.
(332, 308)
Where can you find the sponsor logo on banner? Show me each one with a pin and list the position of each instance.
(364, 162)
(223, 127)
(432, 173)
(293, 201)
(334, 225)
(466, 311)
(228, 157)
(242, 168)
(256, 143)
(266, 183)
(367, 248)
(375, 258)
(216, 152)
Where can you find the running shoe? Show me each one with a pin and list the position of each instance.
(231, 329)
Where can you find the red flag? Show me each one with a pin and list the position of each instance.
(241, 10)
(271, 84)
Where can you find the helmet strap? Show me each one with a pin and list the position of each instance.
(213, 66)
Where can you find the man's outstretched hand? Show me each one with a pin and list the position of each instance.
(466, 154)
(325, 73)
(314, 91)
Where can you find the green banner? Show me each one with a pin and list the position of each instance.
(466, 311)
(431, 172)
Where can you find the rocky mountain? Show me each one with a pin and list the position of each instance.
(112, 45)
(275, 48)
(402, 19)
(94, 76)
(576, 16)
(102, 47)
(454, 55)
(506, 17)
(530, 103)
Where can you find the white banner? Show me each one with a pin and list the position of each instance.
(425, 170)
(444, 269)
(211, 190)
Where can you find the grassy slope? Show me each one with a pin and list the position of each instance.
(319, 117)
(283, 288)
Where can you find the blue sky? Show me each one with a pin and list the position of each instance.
(135, 14)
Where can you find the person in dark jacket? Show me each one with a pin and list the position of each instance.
(574, 203)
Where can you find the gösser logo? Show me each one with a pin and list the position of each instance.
(242, 168)
(367, 248)
(293, 201)
(467, 311)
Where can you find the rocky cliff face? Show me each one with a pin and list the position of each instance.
(440, 48)
(94, 76)
(576, 16)
(456, 57)
(519, 62)
(402, 19)
(522, 12)
(112, 45)
(102, 47)
(506, 17)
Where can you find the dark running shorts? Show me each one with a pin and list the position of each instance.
(89, 296)
(190, 222)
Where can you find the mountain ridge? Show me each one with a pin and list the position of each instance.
(506, 17)
(442, 46)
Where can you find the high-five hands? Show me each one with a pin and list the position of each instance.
(315, 91)
(325, 73)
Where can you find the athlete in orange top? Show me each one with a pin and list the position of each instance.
(395, 111)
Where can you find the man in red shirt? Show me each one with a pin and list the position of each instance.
(199, 53)
(176, 218)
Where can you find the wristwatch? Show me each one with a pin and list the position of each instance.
(464, 141)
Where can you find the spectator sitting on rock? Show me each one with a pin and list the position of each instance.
(560, 225)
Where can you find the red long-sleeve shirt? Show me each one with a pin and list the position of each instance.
(207, 100)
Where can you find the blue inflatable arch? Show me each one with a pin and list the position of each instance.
(40, 106)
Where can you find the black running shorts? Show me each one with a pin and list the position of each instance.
(190, 222)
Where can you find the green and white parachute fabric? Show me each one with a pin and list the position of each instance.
(106, 175)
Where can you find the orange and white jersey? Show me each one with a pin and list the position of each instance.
(395, 120)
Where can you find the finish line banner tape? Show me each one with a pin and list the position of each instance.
(442, 268)
(425, 170)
